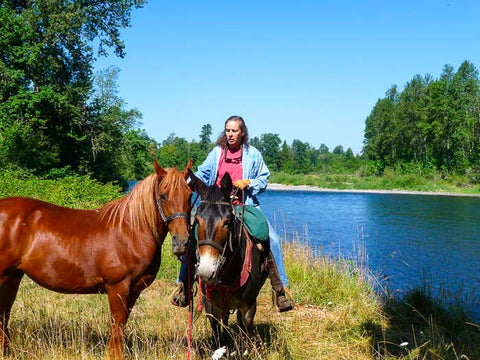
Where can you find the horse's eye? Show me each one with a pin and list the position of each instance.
(163, 197)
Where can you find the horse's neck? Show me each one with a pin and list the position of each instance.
(234, 262)
(162, 233)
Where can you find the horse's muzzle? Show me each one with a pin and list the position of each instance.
(179, 246)
(208, 268)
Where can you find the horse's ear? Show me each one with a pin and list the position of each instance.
(158, 169)
(188, 167)
(195, 183)
(226, 185)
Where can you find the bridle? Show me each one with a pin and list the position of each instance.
(170, 218)
(214, 244)
(177, 215)
(211, 243)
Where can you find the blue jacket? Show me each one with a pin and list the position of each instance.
(254, 168)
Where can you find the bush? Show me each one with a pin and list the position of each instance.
(74, 191)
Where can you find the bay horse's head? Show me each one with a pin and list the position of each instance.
(215, 223)
(173, 201)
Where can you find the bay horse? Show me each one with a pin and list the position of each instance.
(115, 249)
(222, 249)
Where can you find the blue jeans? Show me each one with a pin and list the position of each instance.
(275, 247)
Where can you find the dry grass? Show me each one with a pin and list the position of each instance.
(337, 316)
(47, 325)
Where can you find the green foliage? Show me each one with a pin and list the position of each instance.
(432, 122)
(116, 149)
(73, 191)
(368, 178)
(49, 116)
(269, 146)
(176, 151)
(205, 136)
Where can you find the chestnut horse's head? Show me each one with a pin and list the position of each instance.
(215, 222)
(173, 201)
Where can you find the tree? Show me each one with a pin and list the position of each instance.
(465, 98)
(285, 159)
(175, 151)
(413, 121)
(205, 137)
(323, 149)
(379, 136)
(140, 150)
(300, 157)
(338, 150)
(269, 146)
(46, 56)
(109, 130)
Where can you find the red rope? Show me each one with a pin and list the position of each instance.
(190, 307)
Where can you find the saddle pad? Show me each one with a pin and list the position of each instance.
(254, 221)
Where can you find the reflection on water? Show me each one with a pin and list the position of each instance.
(406, 238)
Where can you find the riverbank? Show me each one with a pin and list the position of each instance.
(337, 316)
(390, 182)
(282, 187)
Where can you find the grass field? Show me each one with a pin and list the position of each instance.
(337, 316)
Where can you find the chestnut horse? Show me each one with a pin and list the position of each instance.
(221, 252)
(115, 249)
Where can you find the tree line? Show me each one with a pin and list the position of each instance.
(432, 122)
(57, 117)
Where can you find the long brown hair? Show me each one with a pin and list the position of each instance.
(222, 138)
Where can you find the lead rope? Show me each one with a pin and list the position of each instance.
(190, 296)
(190, 307)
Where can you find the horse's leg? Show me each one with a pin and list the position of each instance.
(224, 329)
(119, 310)
(240, 316)
(8, 291)
(248, 316)
(213, 318)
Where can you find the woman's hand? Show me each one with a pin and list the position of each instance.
(242, 184)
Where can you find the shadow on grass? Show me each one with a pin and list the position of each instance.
(422, 327)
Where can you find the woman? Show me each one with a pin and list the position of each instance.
(249, 173)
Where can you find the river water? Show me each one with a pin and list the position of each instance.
(404, 240)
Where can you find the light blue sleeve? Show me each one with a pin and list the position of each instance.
(257, 172)
(207, 171)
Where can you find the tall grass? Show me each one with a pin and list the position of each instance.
(337, 316)
(329, 319)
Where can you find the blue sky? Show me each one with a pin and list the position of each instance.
(306, 70)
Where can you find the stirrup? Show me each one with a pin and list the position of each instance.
(179, 297)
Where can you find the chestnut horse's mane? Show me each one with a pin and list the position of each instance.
(139, 207)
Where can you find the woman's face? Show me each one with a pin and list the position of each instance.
(233, 134)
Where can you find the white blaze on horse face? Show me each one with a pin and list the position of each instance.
(208, 266)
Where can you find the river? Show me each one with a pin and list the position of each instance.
(404, 240)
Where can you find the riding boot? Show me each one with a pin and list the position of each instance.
(280, 299)
(180, 296)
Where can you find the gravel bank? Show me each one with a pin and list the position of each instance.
(281, 187)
